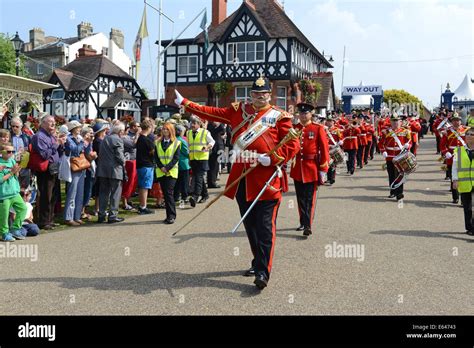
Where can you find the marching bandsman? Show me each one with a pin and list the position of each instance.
(335, 139)
(393, 141)
(451, 138)
(362, 139)
(257, 127)
(310, 166)
(351, 144)
(415, 128)
(371, 141)
(439, 118)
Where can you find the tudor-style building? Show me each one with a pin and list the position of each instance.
(93, 86)
(258, 38)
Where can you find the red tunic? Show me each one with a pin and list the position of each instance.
(388, 144)
(449, 141)
(362, 137)
(415, 127)
(255, 181)
(350, 138)
(336, 135)
(313, 155)
(369, 128)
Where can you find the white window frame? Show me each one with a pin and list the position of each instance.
(247, 93)
(282, 98)
(233, 45)
(39, 68)
(187, 66)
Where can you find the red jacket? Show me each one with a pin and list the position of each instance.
(336, 135)
(313, 155)
(388, 144)
(436, 123)
(256, 180)
(362, 137)
(415, 127)
(350, 138)
(369, 128)
(449, 141)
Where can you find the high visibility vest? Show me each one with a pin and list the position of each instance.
(196, 144)
(465, 169)
(166, 157)
(470, 121)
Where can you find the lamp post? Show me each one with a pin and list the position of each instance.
(17, 44)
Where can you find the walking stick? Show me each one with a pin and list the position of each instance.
(292, 134)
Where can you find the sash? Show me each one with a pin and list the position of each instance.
(461, 140)
(269, 119)
(394, 135)
(328, 132)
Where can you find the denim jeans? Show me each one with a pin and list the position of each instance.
(74, 197)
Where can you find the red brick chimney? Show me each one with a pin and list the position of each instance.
(87, 51)
(219, 12)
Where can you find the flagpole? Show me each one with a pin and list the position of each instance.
(158, 89)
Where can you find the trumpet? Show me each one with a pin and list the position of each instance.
(444, 168)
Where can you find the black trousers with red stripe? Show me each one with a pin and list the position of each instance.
(260, 226)
(306, 196)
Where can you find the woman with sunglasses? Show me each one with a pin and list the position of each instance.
(463, 177)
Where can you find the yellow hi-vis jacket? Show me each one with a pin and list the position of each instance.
(166, 157)
(465, 169)
(196, 144)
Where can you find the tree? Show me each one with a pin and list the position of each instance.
(8, 58)
(396, 98)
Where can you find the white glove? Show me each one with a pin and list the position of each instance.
(179, 98)
(406, 146)
(385, 154)
(340, 142)
(264, 160)
(323, 177)
(448, 155)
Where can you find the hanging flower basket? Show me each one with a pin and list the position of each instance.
(222, 88)
(310, 90)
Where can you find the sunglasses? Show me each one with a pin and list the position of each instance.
(8, 151)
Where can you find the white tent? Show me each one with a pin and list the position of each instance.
(465, 91)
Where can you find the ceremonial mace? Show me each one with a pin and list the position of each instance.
(292, 134)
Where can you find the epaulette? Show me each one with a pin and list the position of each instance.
(283, 113)
(236, 105)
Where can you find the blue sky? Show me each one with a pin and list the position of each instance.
(373, 32)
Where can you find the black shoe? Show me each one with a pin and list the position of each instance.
(391, 196)
(145, 211)
(301, 228)
(261, 281)
(203, 200)
(169, 221)
(307, 231)
(47, 227)
(455, 201)
(101, 219)
(192, 201)
(471, 233)
(115, 219)
(214, 186)
(250, 272)
(400, 197)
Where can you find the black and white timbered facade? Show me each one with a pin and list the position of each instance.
(86, 87)
(257, 39)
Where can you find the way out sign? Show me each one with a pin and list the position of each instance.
(357, 90)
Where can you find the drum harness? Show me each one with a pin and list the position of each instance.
(401, 176)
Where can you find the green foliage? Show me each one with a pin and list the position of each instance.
(145, 93)
(222, 88)
(400, 96)
(8, 57)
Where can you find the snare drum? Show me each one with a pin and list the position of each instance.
(405, 162)
(337, 155)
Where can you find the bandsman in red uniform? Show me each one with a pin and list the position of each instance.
(351, 144)
(393, 141)
(257, 128)
(451, 138)
(335, 139)
(415, 128)
(371, 141)
(310, 166)
(439, 118)
(362, 138)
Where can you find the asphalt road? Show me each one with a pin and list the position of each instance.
(413, 259)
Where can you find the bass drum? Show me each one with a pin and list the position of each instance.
(405, 162)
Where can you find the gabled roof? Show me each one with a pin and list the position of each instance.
(116, 97)
(83, 71)
(272, 19)
(465, 89)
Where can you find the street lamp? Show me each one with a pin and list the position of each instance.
(17, 44)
